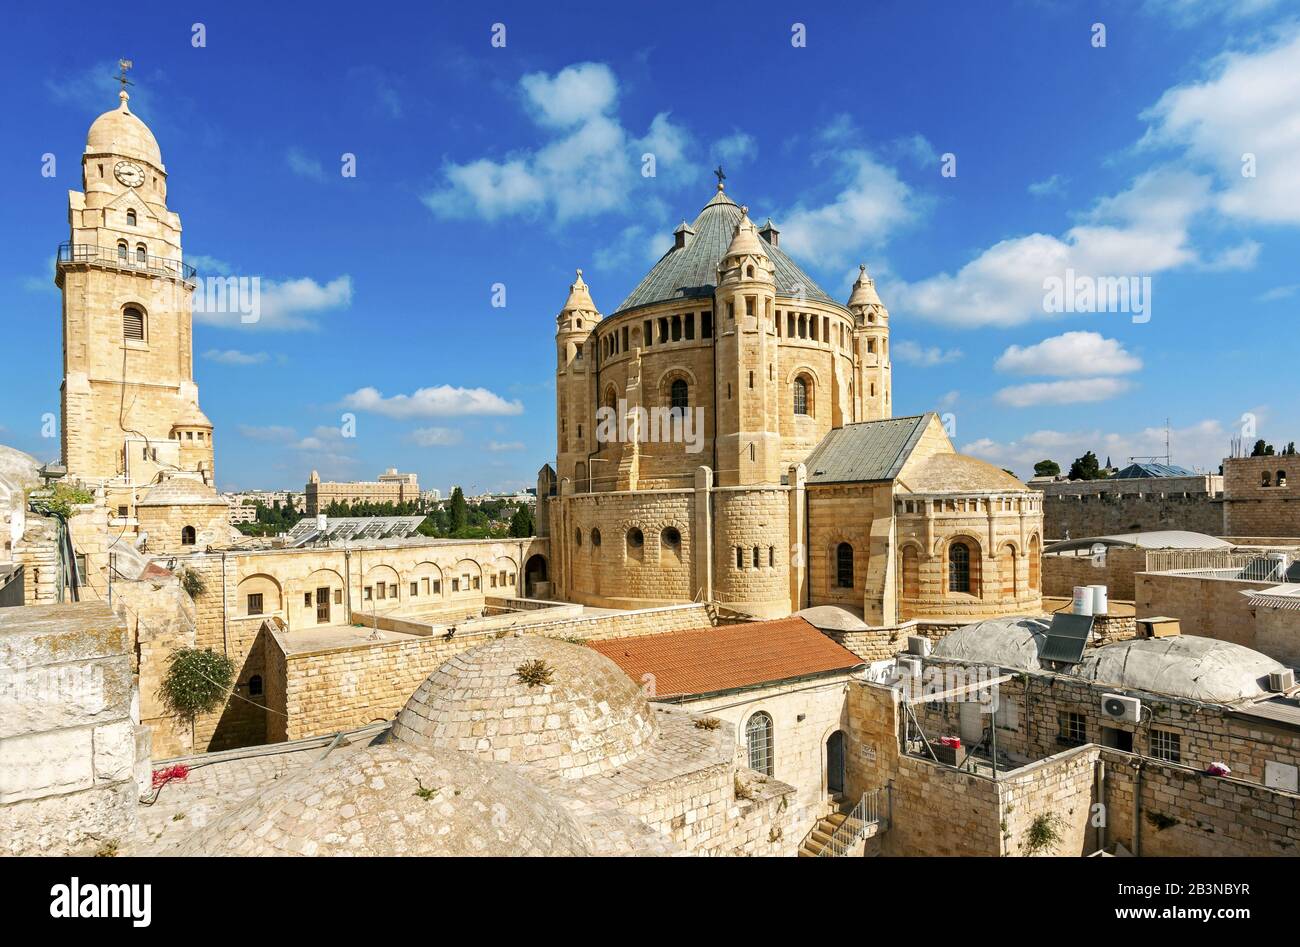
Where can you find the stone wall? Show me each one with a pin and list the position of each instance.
(1115, 570)
(1204, 604)
(72, 761)
(1262, 496)
(1058, 791)
(881, 644)
(1105, 507)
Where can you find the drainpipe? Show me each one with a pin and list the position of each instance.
(1137, 807)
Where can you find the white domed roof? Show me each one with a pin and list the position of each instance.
(831, 618)
(1002, 642)
(393, 799)
(120, 132)
(590, 718)
(181, 491)
(1187, 666)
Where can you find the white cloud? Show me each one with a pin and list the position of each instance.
(304, 165)
(736, 148)
(911, 353)
(873, 202)
(1247, 105)
(500, 446)
(1243, 256)
(949, 400)
(1139, 232)
(1052, 185)
(1069, 355)
(235, 357)
(437, 401)
(1278, 293)
(1187, 13)
(591, 164)
(1203, 445)
(1078, 391)
(208, 265)
(435, 436)
(634, 245)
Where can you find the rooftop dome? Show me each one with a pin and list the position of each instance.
(1187, 666)
(832, 618)
(192, 416)
(744, 239)
(590, 718)
(691, 271)
(392, 799)
(120, 132)
(958, 473)
(579, 297)
(1003, 642)
(181, 491)
(864, 290)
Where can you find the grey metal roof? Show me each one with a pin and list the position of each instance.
(1143, 471)
(691, 271)
(1152, 539)
(1282, 711)
(337, 528)
(868, 450)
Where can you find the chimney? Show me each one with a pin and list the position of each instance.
(770, 233)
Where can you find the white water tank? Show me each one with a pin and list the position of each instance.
(1082, 604)
(1100, 603)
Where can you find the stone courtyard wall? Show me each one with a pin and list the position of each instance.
(1115, 570)
(1205, 605)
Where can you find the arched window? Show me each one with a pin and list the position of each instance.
(757, 562)
(187, 536)
(577, 537)
(671, 538)
(141, 254)
(758, 743)
(844, 566)
(1264, 480)
(255, 686)
(911, 573)
(1035, 564)
(635, 538)
(1281, 478)
(595, 536)
(749, 272)
(130, 218)
(801, 396)
(121, 252)
(678, 394)
(611, 398)
(959, 567)
(133, 323)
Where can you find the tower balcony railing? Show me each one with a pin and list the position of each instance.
(128, 261)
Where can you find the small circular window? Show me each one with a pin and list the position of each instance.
(595, 537)
(634, 538)
(671, 537)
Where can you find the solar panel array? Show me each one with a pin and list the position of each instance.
(1066, 638)
(348, 528)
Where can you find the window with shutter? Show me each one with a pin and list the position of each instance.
(132, 323)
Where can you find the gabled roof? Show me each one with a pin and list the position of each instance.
(868, 450)
(728, 657)
(692, 271)
(1145, 470)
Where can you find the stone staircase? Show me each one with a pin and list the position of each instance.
(821, 834)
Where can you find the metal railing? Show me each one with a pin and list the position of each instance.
(872, 809)
(70, 253)
(1255, 565)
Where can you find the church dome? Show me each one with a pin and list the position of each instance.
(192, 416)
(181, 491)
(744, 240)
(1188, 666)
(579, 297)
(120, 132)
(587, 717)
(864, 290)
(959, 473)
(690, 271)
(392, 799)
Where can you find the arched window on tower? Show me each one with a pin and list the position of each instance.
(130, 218)
(121, 251)
(678, 394)
(133, 323)
(187, 536)
(959, 567)
(758, 743)
(141, 254)
(844, 566)
(801, 396)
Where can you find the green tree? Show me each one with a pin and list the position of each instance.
(1047, 468)
(1262, 449)
(521, 524)
(458, 514)
(1086, 468)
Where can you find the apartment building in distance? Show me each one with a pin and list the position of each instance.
(389, 487)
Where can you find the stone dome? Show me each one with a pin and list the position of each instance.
(191, 416)
(959, 473)
(590, 718)
(831, 618)
(120, 132)
(864, 290)
(1189, 666)
(1001, 642)
(181, 491)
(393, 799)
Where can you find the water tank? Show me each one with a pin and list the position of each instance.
(1082, 604)
(1100, 603)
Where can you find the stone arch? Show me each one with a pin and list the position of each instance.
(909, 571)
(466, 578)
(296, 602)
(961, 569)
(759, 734)
(536, 577)
(1035, 563)
(503, 576)
(259, 583)
(1008, 579)
(427, 578)
(385, 584)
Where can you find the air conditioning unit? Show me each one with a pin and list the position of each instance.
(919, 644)
(910, 666)
(1281, 681)
(1119, 707)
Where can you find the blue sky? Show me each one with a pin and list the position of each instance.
(480, 165)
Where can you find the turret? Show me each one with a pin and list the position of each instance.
(748, 444)
(575, 382)
(872, 374)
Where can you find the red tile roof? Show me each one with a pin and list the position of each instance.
(707, 660)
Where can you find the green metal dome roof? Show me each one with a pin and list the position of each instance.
(691, 271)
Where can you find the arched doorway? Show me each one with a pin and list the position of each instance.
(835, 763)
(536, 583)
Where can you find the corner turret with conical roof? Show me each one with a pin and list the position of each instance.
(575, 380)
(873, 383)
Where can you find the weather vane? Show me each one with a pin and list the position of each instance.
(124, 65)
(719, 175)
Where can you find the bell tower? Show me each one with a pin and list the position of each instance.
(575, 383)
(129, 401)
(872, 380)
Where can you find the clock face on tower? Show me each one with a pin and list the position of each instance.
(130, 174)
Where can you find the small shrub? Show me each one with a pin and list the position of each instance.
(776, 834)
(1044, 833)
(424, 793)
(59, 500)
(192, 582)
(1160, 820)
(196, 682)
(707, 723)
(535, 673)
